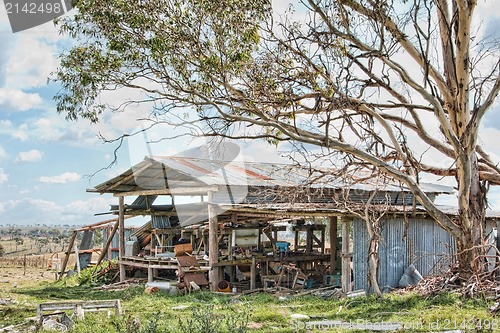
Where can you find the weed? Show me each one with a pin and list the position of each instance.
(204, 319)
(130, 325)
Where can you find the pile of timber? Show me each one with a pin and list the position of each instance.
(486, 285)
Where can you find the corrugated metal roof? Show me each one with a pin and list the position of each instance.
(163, 172)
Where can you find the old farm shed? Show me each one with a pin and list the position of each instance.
(261, 224)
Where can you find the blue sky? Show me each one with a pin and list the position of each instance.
(45, 160)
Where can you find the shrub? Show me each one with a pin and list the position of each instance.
(205, 320)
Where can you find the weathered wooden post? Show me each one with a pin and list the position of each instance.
(498, 249)
(253, 274)
(121, 236)
(346, 256)
(68, 253)
(213, 244)
(333, 244)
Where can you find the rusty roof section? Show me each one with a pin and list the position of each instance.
(167, 172)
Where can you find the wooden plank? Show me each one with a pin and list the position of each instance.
(131, 176)
(121, 235)
(146, 265)
(68, 253)
(177, 191)
(281, 212)
(333, 243)
(108, 243)
(304, 258)
(79, 307)
(99, 224)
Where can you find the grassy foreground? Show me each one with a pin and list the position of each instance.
(200, 312)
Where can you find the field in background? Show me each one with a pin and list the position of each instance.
(17, 241)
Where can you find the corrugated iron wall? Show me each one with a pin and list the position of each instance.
(160, 222)
(427, 247)
(115, 242)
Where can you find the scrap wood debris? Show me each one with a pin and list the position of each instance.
(326, 292)
(122, 285)
(452, 281)
(23, 327)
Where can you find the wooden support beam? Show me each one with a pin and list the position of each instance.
(100, 224)
(253, 274)
(121, 235)
(498, 249)
(177, 191)
(213, 244)
(346, 256)
(316, 240)
(309, 241)
(271, 238)
(108, 243)
(333, 243)
(68, 253)
(323, 232)
(135, 173)
(150, 274)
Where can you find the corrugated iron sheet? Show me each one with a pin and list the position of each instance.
(162, 172)
(428, 247)
(143, 233)
(160, 222)
(115, 241)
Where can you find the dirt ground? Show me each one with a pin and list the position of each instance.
(16, 277)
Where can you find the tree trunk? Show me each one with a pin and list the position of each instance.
(373, 260)
(374, 264)
(472, 216)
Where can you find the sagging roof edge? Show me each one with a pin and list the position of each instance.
(248, 174)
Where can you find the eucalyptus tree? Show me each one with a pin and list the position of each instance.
(399, 86)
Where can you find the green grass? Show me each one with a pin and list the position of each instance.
(267, 312)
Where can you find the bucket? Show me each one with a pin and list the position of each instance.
(224, 287)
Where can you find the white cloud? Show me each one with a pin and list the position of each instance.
(3, 176)
(17, 100)
(44, 205)
(20, 133)
(67, 177)
(29, 156)
(8, 205)
(99, 204)
(3, 154)
(5, 124)
(54, 128)
(27, 69)
(44, 123)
